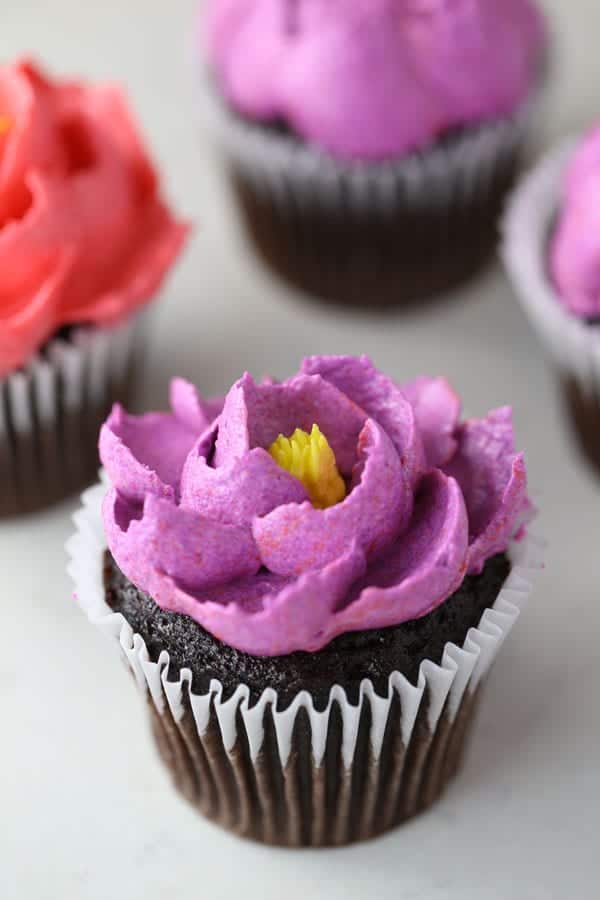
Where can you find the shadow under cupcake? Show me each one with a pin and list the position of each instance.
(371, 150)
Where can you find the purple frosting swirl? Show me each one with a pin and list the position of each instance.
(202, 518)
(575, 246)
(374, 79)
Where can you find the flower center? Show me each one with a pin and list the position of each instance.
(5, 124)
(310, 459)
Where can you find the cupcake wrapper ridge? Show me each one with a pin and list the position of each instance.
(299, 776)
(371, 234)
(51, 412)
(573, 345)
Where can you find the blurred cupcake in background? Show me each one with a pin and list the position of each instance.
(85, 242)
(371, 143)
(552, 252)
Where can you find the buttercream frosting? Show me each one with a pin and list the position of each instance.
(203, 518)
(84, 234)
(575, 245)
(374, 79)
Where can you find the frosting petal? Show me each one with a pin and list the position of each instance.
(233, 440)
(145, 454)
(67, 256)
(31, 145)
(296, 538)
(117, 263)
(255, 415)
(380, 398)
(437, 411)
(190, 408)
(250, 486)
(493, 481)
(170, 541)
(31, 284)
(422, 569)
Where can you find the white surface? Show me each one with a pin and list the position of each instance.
(87, 810)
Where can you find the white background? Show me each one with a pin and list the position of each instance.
(86, 810)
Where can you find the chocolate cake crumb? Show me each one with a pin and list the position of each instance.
(347, 660)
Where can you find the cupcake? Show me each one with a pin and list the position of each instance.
(85, 242)
(552, 253)
(309, 581)
(372, 143)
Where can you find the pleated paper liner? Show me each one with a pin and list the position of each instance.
(300, 776)
(371, 234)
(51, 412)
(572, 344)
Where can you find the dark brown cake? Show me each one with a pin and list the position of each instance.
(347, 660)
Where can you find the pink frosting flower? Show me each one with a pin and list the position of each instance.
(373, 79)
(575, 250)
(84, 234)
(202, 518)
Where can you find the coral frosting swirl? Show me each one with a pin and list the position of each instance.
(84, 234)
(201, 517)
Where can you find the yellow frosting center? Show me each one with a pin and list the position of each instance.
(5, 123)
(309, 458)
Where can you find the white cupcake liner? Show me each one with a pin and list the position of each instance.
(268, 773)
(371, 234)
(573, 345)
(51, 410)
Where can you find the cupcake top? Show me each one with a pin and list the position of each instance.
(288, 513)
(575, 246)
(84, 234)
(374, 79)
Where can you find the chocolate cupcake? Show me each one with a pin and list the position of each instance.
(552, 253)
(371, 144)
(85, 241)
(309, 581)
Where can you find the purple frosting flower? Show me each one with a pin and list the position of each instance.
(202, 517)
